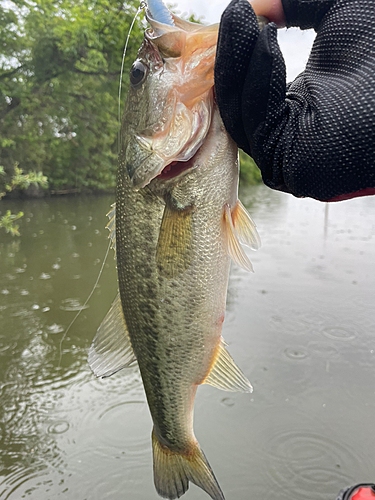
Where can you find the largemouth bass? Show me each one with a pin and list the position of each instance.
(176, 224)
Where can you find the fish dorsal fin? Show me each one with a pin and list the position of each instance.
(238, 227)
(225, 374)
(111, 226)
(173, 251)
(111, 349)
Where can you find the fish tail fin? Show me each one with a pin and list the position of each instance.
(173, 471)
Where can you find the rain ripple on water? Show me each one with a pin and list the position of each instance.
(299, 461)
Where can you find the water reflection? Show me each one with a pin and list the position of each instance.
(36, 306)
(301, 328)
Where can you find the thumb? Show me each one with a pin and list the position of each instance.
(237, 37)
(264, 89)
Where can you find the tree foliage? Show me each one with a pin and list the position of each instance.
(8, 220)
(249, 172)
(19, 181)
(59, 74)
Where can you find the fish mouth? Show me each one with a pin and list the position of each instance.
(142, 175)
(156, 168)
(175, 169)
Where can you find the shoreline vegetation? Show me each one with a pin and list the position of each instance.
(59, 78)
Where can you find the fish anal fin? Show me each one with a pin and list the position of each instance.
(173, 251)
(225, 374)
(245, 227)
(174, 470)
(234, 248)
(111, 349)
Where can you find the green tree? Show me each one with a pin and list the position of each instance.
(249, 172)
(59, 72)
(19, 181)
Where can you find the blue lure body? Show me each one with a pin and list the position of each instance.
(159, 12)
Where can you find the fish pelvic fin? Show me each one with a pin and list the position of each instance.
(173, 251)
(225, 374)
(239, 229)
(245, 227)
(111, 349)
(173, 471)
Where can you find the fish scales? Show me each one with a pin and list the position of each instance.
(176, 225)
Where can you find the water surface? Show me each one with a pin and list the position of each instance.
(302, 328)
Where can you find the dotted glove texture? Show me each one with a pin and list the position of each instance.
(316, 136)
(237, 37)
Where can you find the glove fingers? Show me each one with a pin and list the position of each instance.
(237, 37)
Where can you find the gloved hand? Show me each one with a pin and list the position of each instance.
(316, 136)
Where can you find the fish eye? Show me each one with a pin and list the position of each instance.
(137, 73)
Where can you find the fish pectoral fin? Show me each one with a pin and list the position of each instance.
(234, 248)
(245, 226)
(174, 470)
(111, 349)
(225, 374)
(173, 251)
(111, 226)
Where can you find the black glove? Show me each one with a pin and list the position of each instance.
(315, 137)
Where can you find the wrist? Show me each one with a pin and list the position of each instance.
(272, 9)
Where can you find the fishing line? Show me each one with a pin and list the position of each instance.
(142, 6)
(85, 304)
